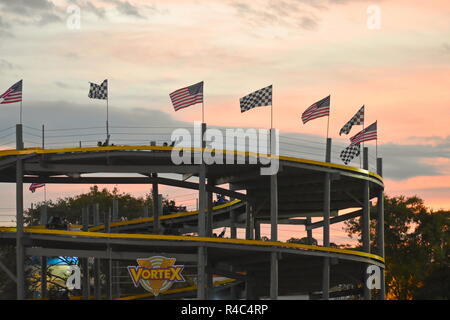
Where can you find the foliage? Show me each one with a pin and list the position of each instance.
(71, 207)
(417, 248)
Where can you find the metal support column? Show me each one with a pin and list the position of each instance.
(365, 219)
(380, 228)
(233, 231)
(257, 229)
(43, 215)
(209, 217)
(109, 287)
(97, 261)
(84, 261)
(96, 212)
(326, 225)
(20, 256)
(202, 254)
(274, 236)
(273, 222)
(155, 205)
(115, 211)
(43, 277)
(248, 220)
(309, 233)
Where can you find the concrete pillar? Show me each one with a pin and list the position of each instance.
(380, 227)
(20, 252)
(365, 219)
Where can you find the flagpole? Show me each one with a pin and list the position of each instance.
(107, 119)
(360, 158)
(328, 120)
(21, 104)
(45, 193)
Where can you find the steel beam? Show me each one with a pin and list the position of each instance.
(333, 220)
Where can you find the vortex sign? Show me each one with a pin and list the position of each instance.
(156, 274)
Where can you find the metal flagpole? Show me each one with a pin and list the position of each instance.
(21, 98)
(107, 120)
(107, 112)
(328, 120)
(45, 193)
(362, 151)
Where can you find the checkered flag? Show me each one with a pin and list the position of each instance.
(349, 153)
(357, 119)
(99, 91)
(259, 98)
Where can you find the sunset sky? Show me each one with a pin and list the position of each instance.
(306, 48)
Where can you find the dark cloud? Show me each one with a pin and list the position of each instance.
(446, 47)
(4, 24)
(48, 18)
(6, 65)
(127, 9)
(90, 7)
(281, 12)
(26, 7)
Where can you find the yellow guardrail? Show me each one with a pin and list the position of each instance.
(197, 239)
(172, 291)
(164, 217)
(4, 153)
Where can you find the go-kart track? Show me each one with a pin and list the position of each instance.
(256, 269)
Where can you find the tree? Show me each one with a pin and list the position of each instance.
(417, 248)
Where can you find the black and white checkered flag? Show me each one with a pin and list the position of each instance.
(349, 153)
(99, 91)
(357, 119)
(259, 98)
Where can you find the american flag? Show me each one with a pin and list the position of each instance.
(319, 109)
(188, 96)
(369, 133)
(13, 94)
(34, 186)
